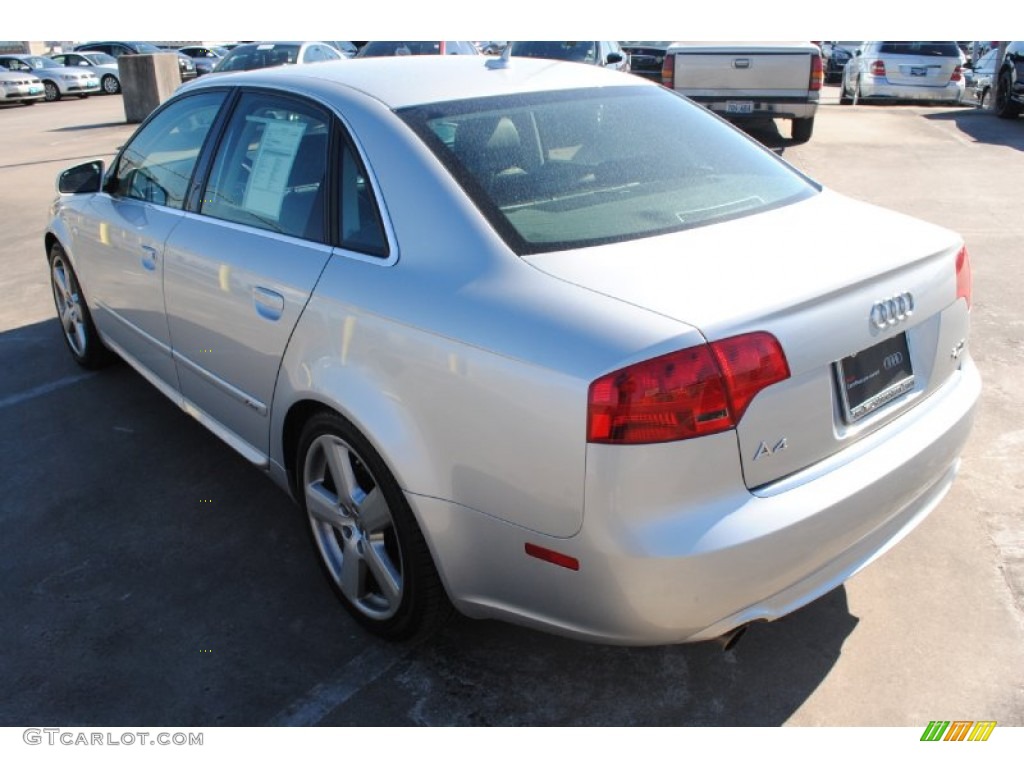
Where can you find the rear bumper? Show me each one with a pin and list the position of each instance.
(654, 569)
(880, 88)
(759, 106)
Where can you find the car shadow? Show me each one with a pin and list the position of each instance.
(90, 127)
(984, 126)
(151, 575)
(766, 131)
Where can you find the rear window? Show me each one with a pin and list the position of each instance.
(581, 167)
(402, 48)
(922, 48)
(582, 51)
(260, 56)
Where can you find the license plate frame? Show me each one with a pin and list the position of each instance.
(919, 71)
(874, 377)
(739, 107)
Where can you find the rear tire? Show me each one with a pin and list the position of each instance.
(365, 534)
(802, 129)
(110, 84)
(1005, 106)
(843, 97)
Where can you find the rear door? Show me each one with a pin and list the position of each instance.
(240, 270)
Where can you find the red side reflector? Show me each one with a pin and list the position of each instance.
(668, 71)
(963, 276)
(550, 556)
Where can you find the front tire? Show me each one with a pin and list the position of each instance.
(802, 129)
(51, 90)
(1005, 106)
(843, 97)
(370, 546)
(73, 313)
(110, 84)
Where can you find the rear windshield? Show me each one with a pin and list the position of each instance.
(580, 167)
(259, 56)
(925, 48)
(582, 51)
(402, 48)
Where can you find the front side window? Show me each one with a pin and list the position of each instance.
(270, 170)
(158, 163)
(571, 168)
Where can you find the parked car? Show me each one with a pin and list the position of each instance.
(501, 356)
(376, 48)
(906, 70)
(104, 65)
(119, 48)
(837, 53)
(203, 57)
(274, 54)
(604, 53)
(1010, 96)
(646, 57)
(24, 88)
(978, 78)
(346, 48)
(58, 81)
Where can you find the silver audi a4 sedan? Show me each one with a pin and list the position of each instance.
(543, 342)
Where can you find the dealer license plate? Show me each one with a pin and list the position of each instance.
(739, 107)
(874, 376)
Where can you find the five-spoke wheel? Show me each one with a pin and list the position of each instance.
(367, 537)
(73, 313)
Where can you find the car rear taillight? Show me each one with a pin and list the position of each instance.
(442, 50)
(963, 276)
(878, 68)
(696, 391)
(668, 71)
(817, 72)
(957, 74)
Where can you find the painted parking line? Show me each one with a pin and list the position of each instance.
(323, 698)
(43, 389)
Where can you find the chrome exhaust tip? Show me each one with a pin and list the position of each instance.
(729, 639)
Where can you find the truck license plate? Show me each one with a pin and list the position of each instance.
(739, 107)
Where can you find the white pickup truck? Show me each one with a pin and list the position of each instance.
(745, 79)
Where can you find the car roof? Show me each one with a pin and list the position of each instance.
(404, 81)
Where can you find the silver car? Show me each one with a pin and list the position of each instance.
(103, 64)
(23, 88)
(506, 361)
(923, 70)
(58, 81)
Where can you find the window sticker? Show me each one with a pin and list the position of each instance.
(273, 164)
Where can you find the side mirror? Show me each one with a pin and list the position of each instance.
(857, 52)
(87, 177)
(614, 58)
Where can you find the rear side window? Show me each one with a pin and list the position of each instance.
(572, 168)
(270, 170)
(921, 48)
(157, 165)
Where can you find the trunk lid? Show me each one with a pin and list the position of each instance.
(783, 272)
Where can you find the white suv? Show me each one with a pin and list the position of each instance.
(914, 71)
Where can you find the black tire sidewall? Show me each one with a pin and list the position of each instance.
(96, 355)
(420, 581)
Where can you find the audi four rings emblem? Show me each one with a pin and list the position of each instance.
(893, 360)
(891, 311)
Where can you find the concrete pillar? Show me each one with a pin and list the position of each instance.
(147, 80)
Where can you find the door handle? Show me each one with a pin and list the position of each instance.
(149, 257)
(269, 304)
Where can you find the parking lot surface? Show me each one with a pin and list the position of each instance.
(153, 576)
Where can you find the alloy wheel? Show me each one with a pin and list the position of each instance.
(66, 295)
(353, 527)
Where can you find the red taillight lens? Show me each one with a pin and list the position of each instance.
(957, 74)
(963, 276)
(878, 68)
(693, 392)
(668, 71)
(817, 72)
